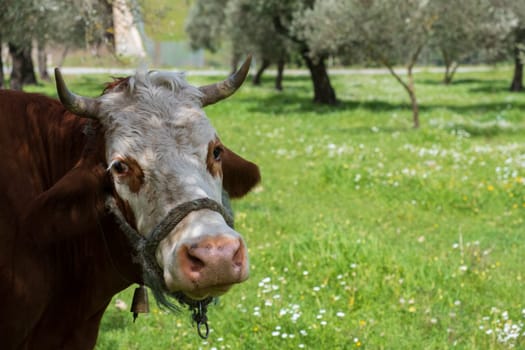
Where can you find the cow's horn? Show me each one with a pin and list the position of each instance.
(219, 91)
(81, 106)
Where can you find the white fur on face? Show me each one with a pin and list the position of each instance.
(157, 142)
(157, 121)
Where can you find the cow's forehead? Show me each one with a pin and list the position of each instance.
(154, 110)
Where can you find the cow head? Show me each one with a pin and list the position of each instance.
(161, 150)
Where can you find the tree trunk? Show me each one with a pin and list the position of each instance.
(279, 77)
(450, 70)
(323, 90)
(63, 56)
(413, 100)
(28, 70)
(447, 78)
(257, 77)
(16, 81)
(409, 88)
(1, 65)
(42, 61)
(517, 79)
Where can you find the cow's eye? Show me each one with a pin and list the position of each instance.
(119, 167)
(217, 151)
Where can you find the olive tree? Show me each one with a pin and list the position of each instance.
(395, 32)
(247, 31)
(205, 24)
(252, 32)
(17, 22)
(514, 16)
(503, 35)
(461, 30)
(23, 22)
(265, 27)
(390, 32)
(206, 27)
(287, 20)
(58, 22)
(494, 27)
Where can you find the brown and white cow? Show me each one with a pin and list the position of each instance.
(86, 182)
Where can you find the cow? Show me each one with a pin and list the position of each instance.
(98, 194)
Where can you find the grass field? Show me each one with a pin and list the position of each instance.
(364, 232)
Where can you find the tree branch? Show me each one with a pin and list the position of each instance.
(279, 28)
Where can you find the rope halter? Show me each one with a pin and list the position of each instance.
(145, 248)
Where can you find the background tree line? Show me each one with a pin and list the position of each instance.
(389, 33)
(68, 23)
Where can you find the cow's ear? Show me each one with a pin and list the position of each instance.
(239, 175)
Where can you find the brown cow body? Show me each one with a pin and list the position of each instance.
(149, 148)
(58, 268)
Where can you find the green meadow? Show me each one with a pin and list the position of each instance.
(365, 233)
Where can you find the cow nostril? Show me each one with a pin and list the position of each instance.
(195, 263)
(239, 256)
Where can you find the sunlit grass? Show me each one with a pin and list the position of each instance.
(364, 232)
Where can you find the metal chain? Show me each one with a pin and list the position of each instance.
(199, 316)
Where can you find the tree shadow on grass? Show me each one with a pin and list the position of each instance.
(460, 82)
(486, 130)
(476, 85)
(496, 88)
(281, 104)
(479, 117)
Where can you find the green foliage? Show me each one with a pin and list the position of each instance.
(205, 24)
(462, 29)
(251, 30)
(64, 22)
(247, 25)
(390, 32)
(364, 232)
(164, 19)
